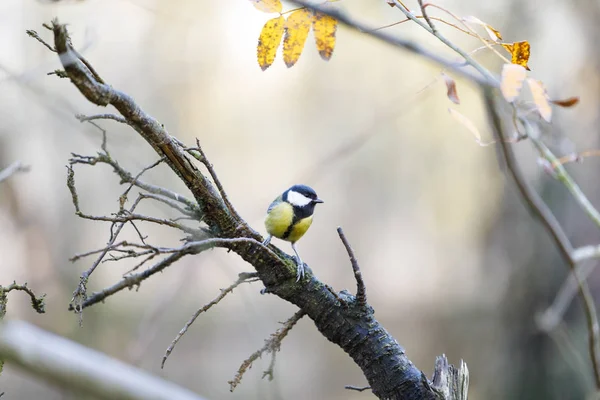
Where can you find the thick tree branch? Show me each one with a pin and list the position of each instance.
(347, 323)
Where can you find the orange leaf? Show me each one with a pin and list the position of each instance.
(324, 28)
(297, 27)
(451, 86)
(570, 102)
(268, 41)
(520, 52)
(540, 98)
(492, 33)
(511, 83)
(268, 6)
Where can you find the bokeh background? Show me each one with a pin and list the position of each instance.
(453, 261)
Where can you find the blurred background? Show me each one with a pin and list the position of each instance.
(452, 260)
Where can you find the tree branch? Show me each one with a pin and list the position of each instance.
(12, 169)
(69, 364)
(243, 277)
(272, 345)
(361, 290)
(350, 325)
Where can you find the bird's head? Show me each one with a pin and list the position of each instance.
(301, 196)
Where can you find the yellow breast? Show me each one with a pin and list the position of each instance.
(279, 219)
(299, 229)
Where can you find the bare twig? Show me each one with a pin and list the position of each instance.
(399, 42)
(357, 388)
(87, 118)
(361, 292)
(37, 303)
(540, 209)
(272, 345)
(426, 16)
(586, 253)
(204, 160)
(37, 37)
(562, 175)
(550, 319)
(12, 169)
(196, 247)
(127, 177)
(242, 277)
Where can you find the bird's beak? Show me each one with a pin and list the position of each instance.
(318, 201)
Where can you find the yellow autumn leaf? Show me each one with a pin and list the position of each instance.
(511, 81)
(540, 98)
(494, 34)
(268, 41)
(268, 6)
(324, 28)
(520, 52)
(297, 27)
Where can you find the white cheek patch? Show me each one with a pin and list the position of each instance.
(297, 199)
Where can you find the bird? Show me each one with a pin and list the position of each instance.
(289, 216)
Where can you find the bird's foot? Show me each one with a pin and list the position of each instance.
(300, 270)
(267, 241)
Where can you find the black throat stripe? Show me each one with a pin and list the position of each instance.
(299, 213)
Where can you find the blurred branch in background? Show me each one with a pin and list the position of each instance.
(524, 127)
(12, 169)
(68, 364)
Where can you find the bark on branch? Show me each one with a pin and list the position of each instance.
(342, 318)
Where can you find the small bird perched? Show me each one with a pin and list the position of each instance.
(289, 216)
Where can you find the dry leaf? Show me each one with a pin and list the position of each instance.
(324, 28)
(540, 98)
(268, 41)
(570, 102)
(467, 123)
(451, 86)
(520, 52)
(297, 27)
(268, 6)
(494, 34)
(511, 83)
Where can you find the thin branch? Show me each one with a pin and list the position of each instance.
(127, 177)
(272, 345)
(426, 16)
(357, 388)
(37, 37)
(540, 209)
(204, 160)
(586, 253)
(563, 176)
(37, 303)
(549, 320)
(491, 79)
(361, 291)
(349, 22)
(87, 118)
(12, 169)
(242, 277)
(197, 247)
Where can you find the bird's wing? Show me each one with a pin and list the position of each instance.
(273, 204)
